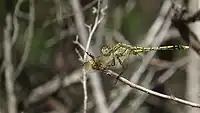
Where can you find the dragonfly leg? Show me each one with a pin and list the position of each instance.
(120, 74)
(89, 54)
(112, 63)
(121, 63)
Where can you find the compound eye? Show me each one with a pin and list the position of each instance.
(105, 50)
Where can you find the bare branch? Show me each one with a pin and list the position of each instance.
(12, 108)
(80, 22)
(96, 87)
(148, 91)
(29, 38)
(83, 35)
(16, 30)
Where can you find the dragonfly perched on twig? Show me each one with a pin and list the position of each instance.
(119, 53)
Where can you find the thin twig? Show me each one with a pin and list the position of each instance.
(81, 30)
(148, 91)
(95, 81)
(29, 38)
(79, 19)
(12, 108)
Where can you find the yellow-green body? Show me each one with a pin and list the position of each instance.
(120, 52)
(121, 49)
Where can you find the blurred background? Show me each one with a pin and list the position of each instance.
(41, 70)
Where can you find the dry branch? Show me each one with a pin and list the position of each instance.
(12, 108)
(148, 91)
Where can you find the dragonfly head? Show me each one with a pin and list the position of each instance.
(105, 50)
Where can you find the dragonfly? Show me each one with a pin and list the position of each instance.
(120, 52)
(121, 49)
(125, 50)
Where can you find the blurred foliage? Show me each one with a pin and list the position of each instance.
(38, 49)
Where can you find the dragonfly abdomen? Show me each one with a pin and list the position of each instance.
(171, 47)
